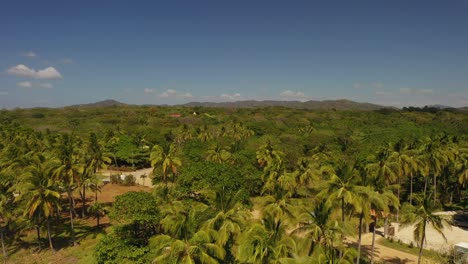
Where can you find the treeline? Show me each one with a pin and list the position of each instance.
(233, 186)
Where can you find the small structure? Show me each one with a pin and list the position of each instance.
(461, 253)
(175, 115)
(106, 180)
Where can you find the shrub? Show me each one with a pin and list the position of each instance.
(115, 179)
(129, 180)
(114, 250)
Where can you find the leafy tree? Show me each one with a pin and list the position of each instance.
(167, 159)
(423, 215)
(41, 192)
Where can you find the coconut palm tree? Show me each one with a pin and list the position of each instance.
(41, 191)
(181, 242)
(218, 154)
(69, 172)
(321, 229)
(436, 156)
(167, 159)
(423, 215)
(99, 210)
(266, 243)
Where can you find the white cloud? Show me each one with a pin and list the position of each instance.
(24, 84)
(357, 85)
(425, 91)
(24, 71)
(406, 90)
(29, 54)
(175, 94)
(148, 90)
(28, 84)
(231, 97)
(382, 93)
(66, 61)
(292, 95)
(45, 85)
(377, 85)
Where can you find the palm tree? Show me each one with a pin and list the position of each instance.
(167, 159)
(41, 191)
(323, 232)
(229, 219)
(272, 162)
(99, 210)
(266, 243)
(4, 217)
(423, 215)
(69, 171)
(436, 156)
(205, 134)
(218, 154)
(181, 242)
(198, 249)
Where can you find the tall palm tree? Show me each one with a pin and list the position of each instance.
(266, 243)
(218, 154)
(41, 191)
(167, 159)
(423, 215)
(321, 229)
(181, 242)
(69, 171)
(436, 156)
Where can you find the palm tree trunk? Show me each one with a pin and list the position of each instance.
(5, 254)
(359, 238)
(425, 184)
(70, 199)
(342, 220)
(38, 236)
(50, 236)
(386, 226)
(373, 241)
(411, 189)
(83, 210)
(422, 243)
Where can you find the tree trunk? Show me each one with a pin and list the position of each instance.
(342, 220)
(70, 199)
(385, 227)
(425, 184)
(422, 244)
(50, 236)
(411, 189)
(83, 210)
(359, 238)
(373, 240)
(95, 194)
(38, 236)
(5, 254)
(398, 196)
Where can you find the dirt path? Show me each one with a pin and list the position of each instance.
(382, 253)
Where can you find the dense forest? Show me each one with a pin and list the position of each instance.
(248, 185)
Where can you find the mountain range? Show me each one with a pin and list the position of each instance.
(341, 104)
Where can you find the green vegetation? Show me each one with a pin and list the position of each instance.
(428, 254)
(269, 185)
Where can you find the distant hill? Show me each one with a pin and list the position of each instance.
(105, 103)
(327, 104)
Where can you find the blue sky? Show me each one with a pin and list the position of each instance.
(56, 53)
